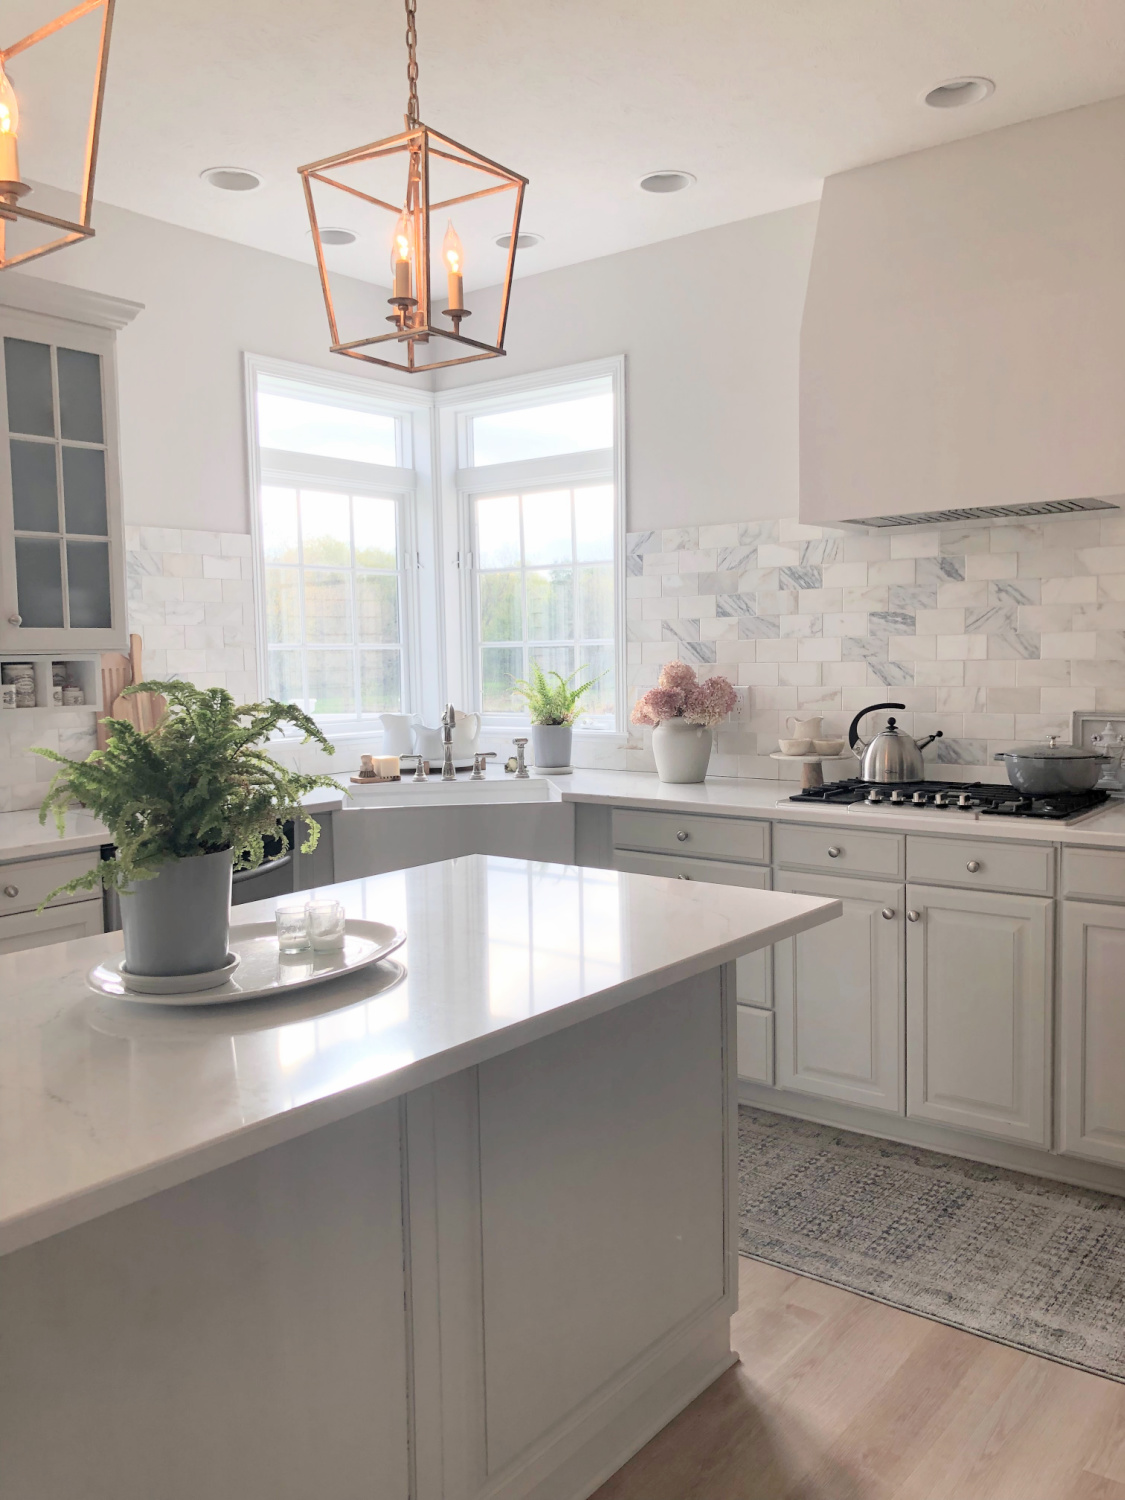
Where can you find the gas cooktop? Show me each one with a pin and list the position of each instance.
(978, 797)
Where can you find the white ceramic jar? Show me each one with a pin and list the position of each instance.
(682, 750)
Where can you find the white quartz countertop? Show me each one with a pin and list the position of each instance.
(103, 1102)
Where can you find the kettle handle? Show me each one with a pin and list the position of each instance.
(853, 735)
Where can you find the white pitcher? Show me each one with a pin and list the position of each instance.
(466, 733)
(803, 729)
(398, 734)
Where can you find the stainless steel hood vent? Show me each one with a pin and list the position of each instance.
(988, 513)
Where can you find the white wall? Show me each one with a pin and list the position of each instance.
(206, 301)
(710, 325)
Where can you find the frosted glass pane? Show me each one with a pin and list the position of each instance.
(80, 395)
(326, 528)
(331, 682)
(380, 678)
(87, 574)
(285, 676)
(498, 531)
(558, 659)
(501, 607)
(499, 665)
(84, 491)
(593, 523)
(328, 605)
(596, 661)
(283, 605)
(550, 605)
(39, 583)
(298, 426)
(546, 527)
(377, 601)
(30, 402)
(376, 532)
(35, 500)
(279, 524)
(540, 431)
(595, 602)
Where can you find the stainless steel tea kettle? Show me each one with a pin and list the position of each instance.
(891, 755)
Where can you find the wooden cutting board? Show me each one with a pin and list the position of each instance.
(143, 710)
(117, 673)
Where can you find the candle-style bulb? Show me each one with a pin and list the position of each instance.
(453, 254)
(402, 253)
(9, 130)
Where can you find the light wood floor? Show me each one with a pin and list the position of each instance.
(840, 1398)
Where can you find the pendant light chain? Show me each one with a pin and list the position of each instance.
(412, 62)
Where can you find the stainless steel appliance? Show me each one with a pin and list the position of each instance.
(977, 798)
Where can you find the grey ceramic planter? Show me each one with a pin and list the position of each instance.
(550, 744)
(179, 922)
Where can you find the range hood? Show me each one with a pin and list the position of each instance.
(963, 342)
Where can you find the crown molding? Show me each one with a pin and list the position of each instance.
(36, 294)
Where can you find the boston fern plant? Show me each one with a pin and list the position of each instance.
(196, 784)
(550, 702)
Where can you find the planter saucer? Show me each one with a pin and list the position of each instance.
(170, 984)
(263, 972)
(550, 770)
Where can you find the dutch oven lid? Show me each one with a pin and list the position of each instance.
(1051, 751)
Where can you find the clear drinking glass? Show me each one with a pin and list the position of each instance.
(292, 929)
(326, 926)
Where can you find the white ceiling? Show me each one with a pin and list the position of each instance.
(761, 99)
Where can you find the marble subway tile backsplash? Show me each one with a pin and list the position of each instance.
(991, 633)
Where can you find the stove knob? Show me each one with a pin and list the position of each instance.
(964, 800)
(919, 799)
(940, 799)
(874, 796)
(897, 798)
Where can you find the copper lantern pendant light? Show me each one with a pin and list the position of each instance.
(13, 190)
(434, 164)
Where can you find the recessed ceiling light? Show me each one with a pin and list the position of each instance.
(955, 93)
(232, 179)
(525, 240)
(667, 182)
(337, 236)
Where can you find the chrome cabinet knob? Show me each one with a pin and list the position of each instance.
(913, 916)
(11, 890)
(681, 834)
(834, 852)
(973, 866)
(683, 877)
(15, 619)
(888, 913)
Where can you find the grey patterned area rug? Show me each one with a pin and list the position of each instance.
(1018, 1259)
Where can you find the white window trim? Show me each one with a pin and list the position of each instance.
(458, 481)
(422, 635)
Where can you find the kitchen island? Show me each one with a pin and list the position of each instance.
(459, 1226)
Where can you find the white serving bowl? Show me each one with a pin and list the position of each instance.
(795, 747)
(828, 747)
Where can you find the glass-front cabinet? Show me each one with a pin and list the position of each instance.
(62, 565)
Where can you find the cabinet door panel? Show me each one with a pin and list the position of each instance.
(978, 1011)
(838, 996)
(1092, 1018)
(58, 924)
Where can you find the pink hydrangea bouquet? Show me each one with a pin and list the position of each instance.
(680, 695)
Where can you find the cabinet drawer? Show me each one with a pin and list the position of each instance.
(24, 883)
(755, 1044)
(687, 833)
(840, 851)
(717, 871)
(58, 924)
(1096, 874)
(982, 863)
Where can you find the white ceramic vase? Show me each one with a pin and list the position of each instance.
(682, 750)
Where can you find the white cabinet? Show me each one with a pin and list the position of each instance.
(58, 924)
(62, 562)
(1092, 1029)
(838, 995)
(978, 1011)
